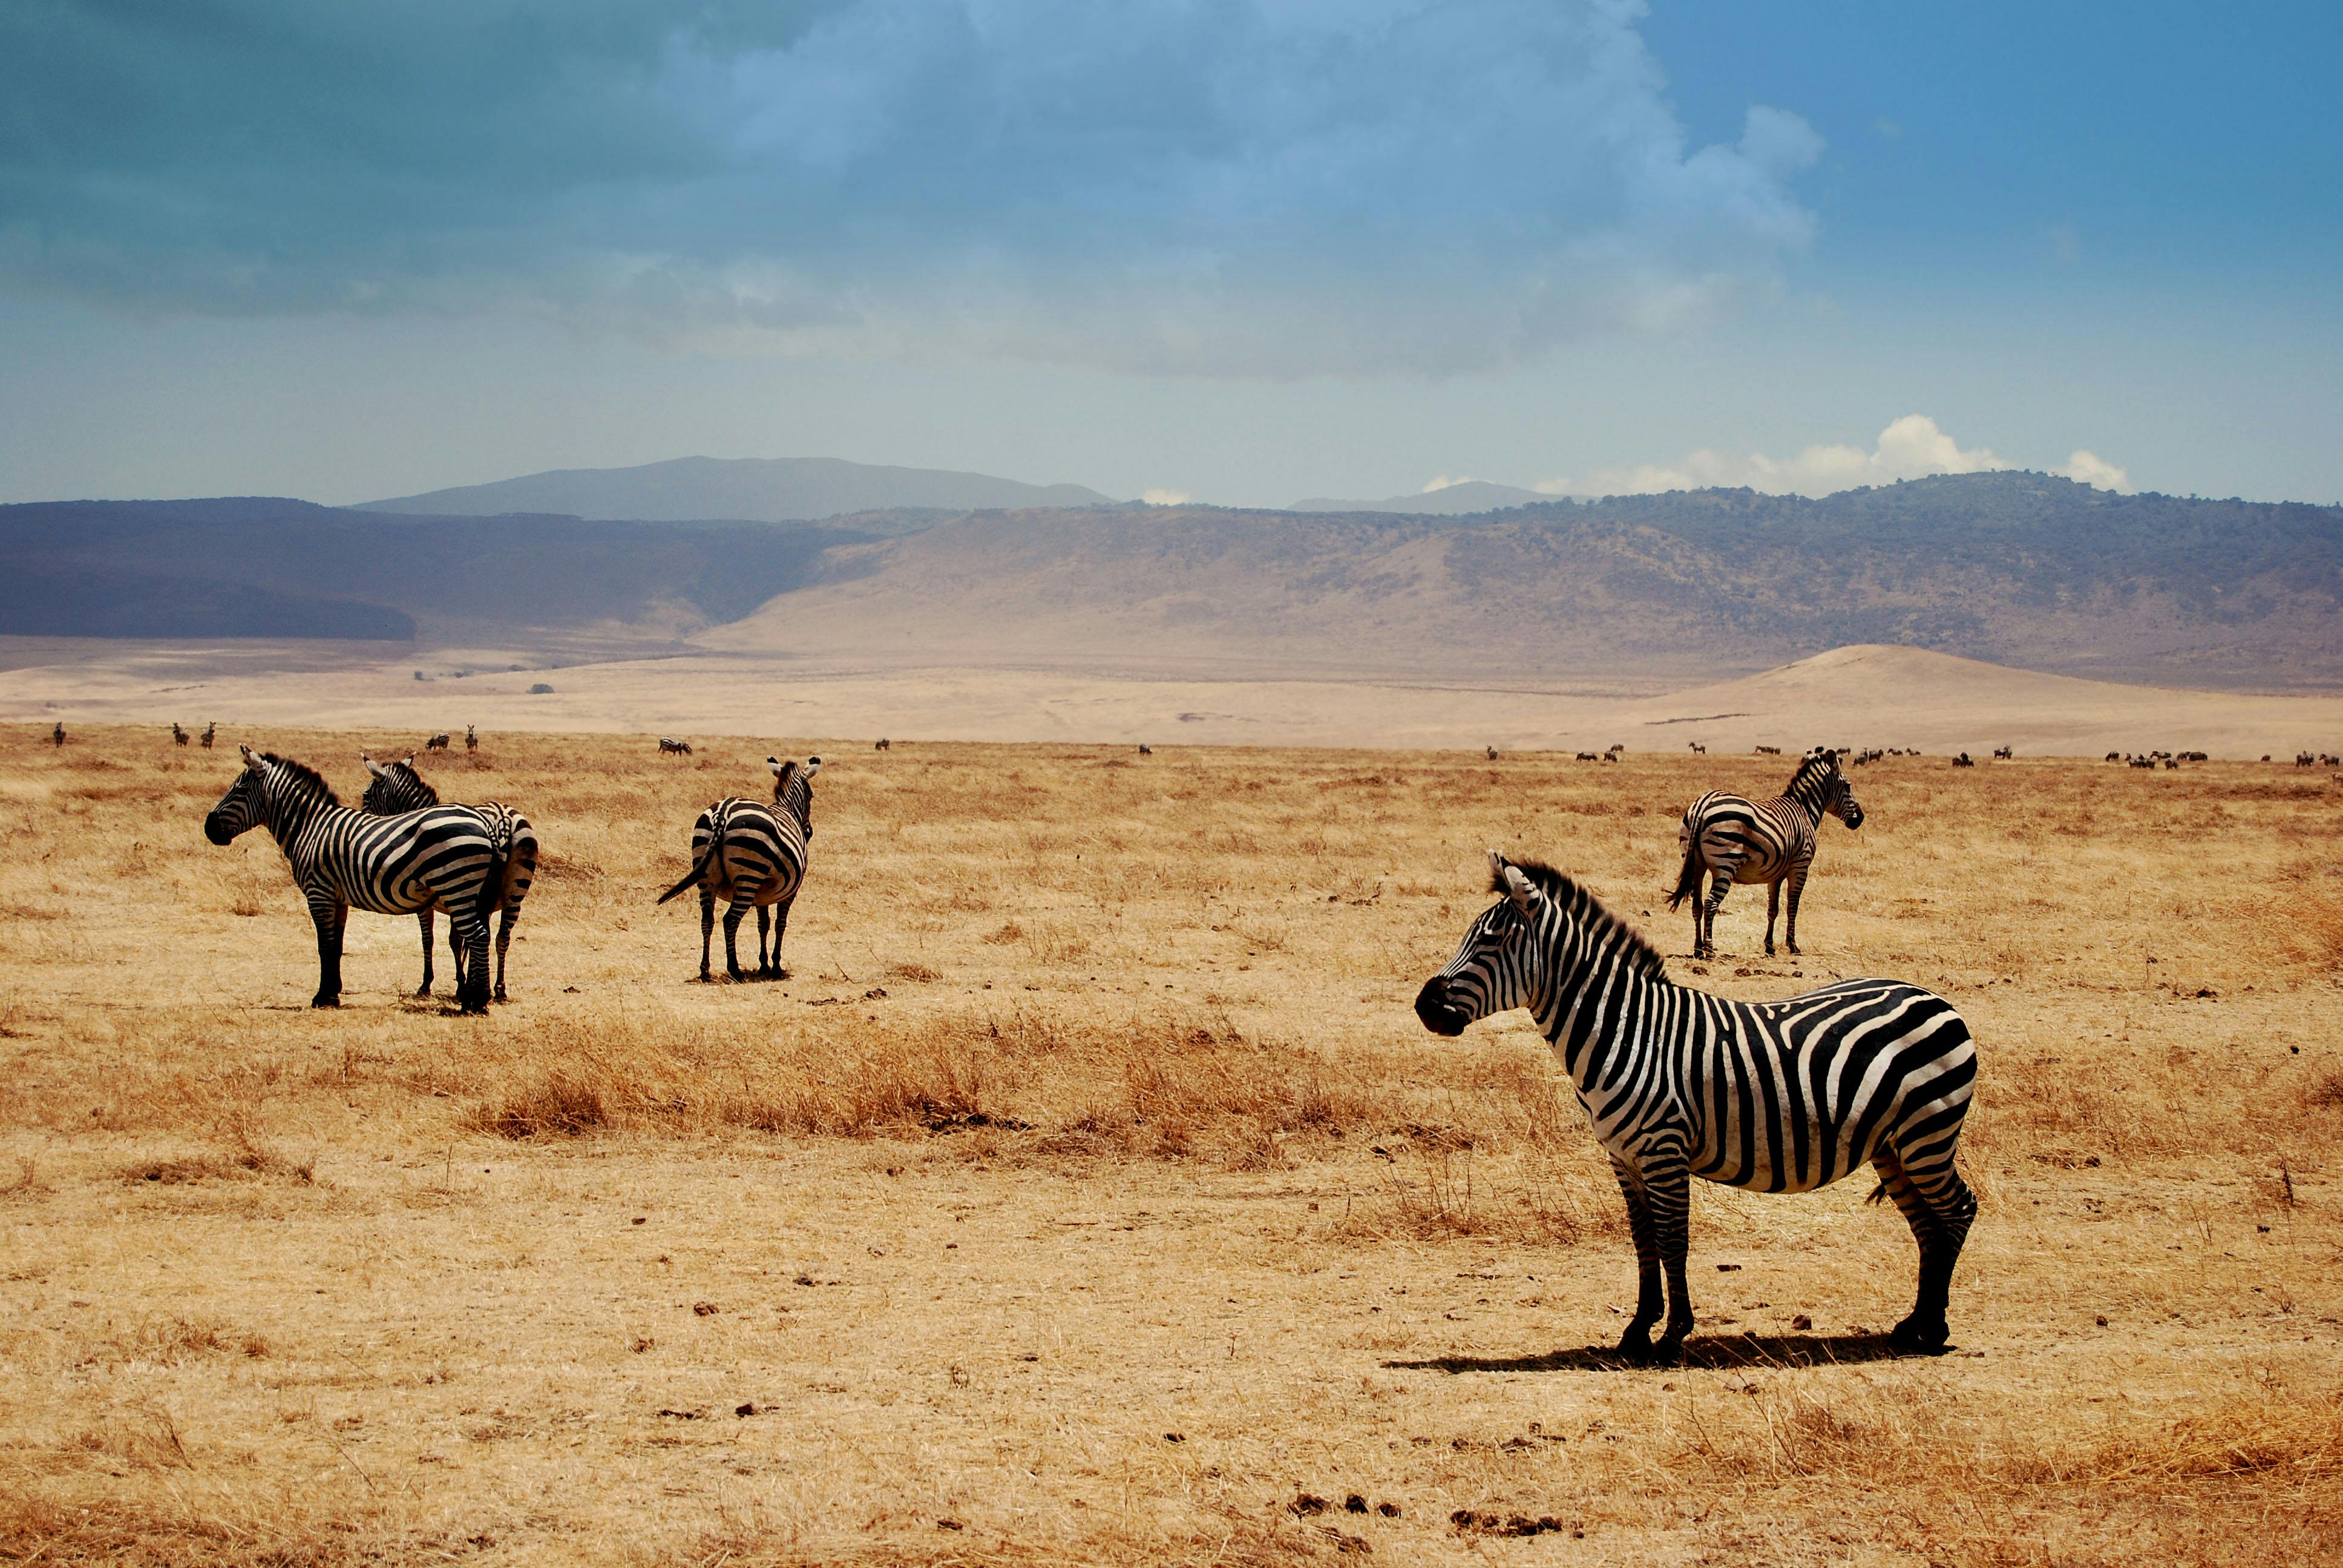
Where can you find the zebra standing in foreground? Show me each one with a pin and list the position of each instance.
(441, 857)
(393, 788)
(1769, 841)
(753, 857)
(1776, 1097)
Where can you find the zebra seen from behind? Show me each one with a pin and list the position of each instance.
(1776, 1097)
(209, 729)
(393, 788)
(442, 857)
(752, 856)
(1734, 839)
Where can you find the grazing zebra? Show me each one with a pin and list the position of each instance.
(437, 743)
(344, 860)
(753, 857)
(1964, 760)
(1145, 749)
(471, 739)
(178, 736)
(674, 747)
(1769, 751)
(1769, 841)
(208, 731)
(393, 788)
(1588, 757)
(2115, 756)
(1777, 1097)
(57, 735)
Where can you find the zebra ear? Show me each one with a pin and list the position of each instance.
(249, 759)
(1496, 869)
(372, 766)
(1517, 888)
(773, 765)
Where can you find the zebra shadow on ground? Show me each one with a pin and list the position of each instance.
(1714, 1350)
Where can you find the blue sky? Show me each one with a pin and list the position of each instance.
(1226, 248)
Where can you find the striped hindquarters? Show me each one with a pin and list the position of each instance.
(441, 856)
(1788, 1096)
(1755, 840)
(753, 854)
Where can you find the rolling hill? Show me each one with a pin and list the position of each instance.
(754, 489)
(1459, 499)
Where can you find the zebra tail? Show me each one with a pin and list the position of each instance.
(691, 878)
(1688, 879)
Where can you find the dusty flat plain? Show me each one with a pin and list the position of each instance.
(1859, 696)
(1090, 1194)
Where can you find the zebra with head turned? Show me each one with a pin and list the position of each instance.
(752, 856)
(443, 856)
(1771, 841)
(209, 729)
(393, 788)
(1776, 1097)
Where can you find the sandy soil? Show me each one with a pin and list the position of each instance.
(1857, 696)
(1089, 1194)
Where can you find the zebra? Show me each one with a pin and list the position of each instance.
(443, 855)
(674, 747)
(437, 743)
(752, 856)
(57, 735)
(471, 739)
(883, 744)
(1145, 749)
(178, 736)
(1769, 751)
(2003, 754)
(1966, 760)
(1777, 1097)
(208, 732)
(1698, 749)
(1493, 753)
(393, 788)
(1769, 841)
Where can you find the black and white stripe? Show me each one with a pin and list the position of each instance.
(1776, 1097)
(443, 857)
(1734, 840)
(753, 855)
(396, 787)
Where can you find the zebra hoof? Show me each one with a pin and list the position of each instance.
(1915, 1336)
(322, 999)
(499, 993)
(422, 991)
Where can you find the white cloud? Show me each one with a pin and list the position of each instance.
(2087, 467)
(1912, 448)
(1162, 497)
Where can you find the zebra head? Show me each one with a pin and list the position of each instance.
(1501, 962)
(272, 792)
(1838, 798)
(394, 788)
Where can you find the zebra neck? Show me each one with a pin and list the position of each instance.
(1591, 1021)
(1807, 796)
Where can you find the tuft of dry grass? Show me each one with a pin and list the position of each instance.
(1090, 1186)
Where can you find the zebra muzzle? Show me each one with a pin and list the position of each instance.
(1439, 1015)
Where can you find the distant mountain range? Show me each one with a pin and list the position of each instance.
(1459, 499)
(749, 489)
(2016, 568)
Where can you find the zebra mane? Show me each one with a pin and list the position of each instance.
(301, 772)
(1818, 768)
(411, 779)
(1589, 910)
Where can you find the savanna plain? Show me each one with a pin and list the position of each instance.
(1089, 1194)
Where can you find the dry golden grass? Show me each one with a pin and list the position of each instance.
(1090, 1194)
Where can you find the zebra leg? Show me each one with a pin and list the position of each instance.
(1720, 884)
(1773, 906)
(1797, 886)
(423, 919)
(706, 924)
(1939, 1206)
(472, 985)
(1667, 1189)
(732, 914)
(1650, 1302)
(327, 916)
(764, 930)
(504, 919)
(781, 927)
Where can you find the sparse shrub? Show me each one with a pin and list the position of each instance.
(556, 1104)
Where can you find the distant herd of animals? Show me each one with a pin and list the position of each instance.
(1779, 1097)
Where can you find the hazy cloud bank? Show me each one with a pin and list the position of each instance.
(1910, 448)
(1218, 187)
